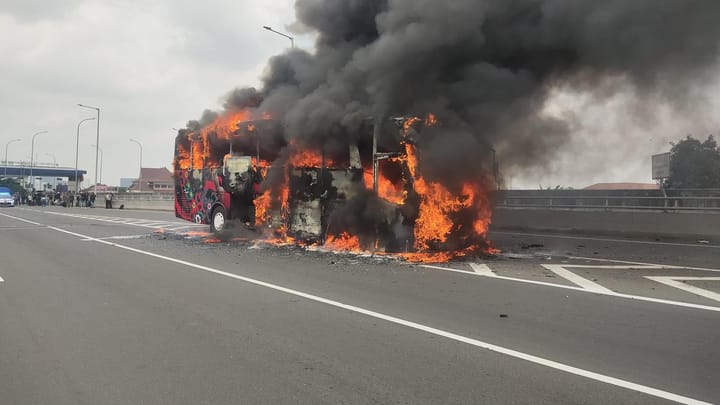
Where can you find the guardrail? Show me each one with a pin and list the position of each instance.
(679, 203)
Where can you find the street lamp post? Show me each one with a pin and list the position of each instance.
(7, 145)
(32, 154)
(139, 174)
(102, 159)
(77, 150)
(97, 142)
(292, 40)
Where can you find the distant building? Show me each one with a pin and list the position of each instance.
(156, 180)
(623, 186)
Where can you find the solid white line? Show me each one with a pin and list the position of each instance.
(428, 329)
(644, 242)
(571, 287)
(575, 279)
(22, 219)
(676, 282)
(2, 280)
(664, 266)
(117, 237)
(482, 269)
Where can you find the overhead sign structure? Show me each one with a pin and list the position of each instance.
(661, 166)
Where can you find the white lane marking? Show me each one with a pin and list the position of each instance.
(664, 266)
(2, 280)
(575, 279)
(15, 228)
(117, 237)
(22, 219)
(644, 242)
(676, 282)
(414, 325)
(482, 269)
(562, 271)
(570, 287)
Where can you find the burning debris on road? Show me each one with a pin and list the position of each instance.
(384, 138)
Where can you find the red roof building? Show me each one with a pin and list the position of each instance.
(156, 180)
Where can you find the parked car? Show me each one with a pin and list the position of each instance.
(6, 199)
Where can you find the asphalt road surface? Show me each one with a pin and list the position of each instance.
(130, 307)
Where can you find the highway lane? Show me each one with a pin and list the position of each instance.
(86, 322)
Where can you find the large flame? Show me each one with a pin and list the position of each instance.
(449, 223)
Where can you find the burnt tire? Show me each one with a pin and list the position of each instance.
(218, 220)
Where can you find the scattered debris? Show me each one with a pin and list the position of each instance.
(503, 315)
(703, 241)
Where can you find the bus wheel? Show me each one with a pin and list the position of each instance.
(218, 220)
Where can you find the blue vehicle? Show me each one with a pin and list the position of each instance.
(6, 197)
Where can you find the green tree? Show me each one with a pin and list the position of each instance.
(694, 164)
(12, 185)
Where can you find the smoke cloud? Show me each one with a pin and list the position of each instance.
(484, 68)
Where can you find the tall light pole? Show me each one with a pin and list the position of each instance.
(32, 153)
(139, 174)
(97, 142)
(292, 40)
(7, 145)
(77, 150)
(102, 159)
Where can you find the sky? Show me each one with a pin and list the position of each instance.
(153, 65)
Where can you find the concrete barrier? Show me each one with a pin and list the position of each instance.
(701, 225)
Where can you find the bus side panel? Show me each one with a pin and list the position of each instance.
(213, 192)
(189, 204)
(197, 192)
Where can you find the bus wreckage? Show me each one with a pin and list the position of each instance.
(368, 195)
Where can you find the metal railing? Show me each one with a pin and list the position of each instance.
(607, 202)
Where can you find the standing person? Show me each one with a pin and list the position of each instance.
(107, 201)
(110, 200)
(92, 200)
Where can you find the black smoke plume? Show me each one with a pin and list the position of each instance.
(485, 68)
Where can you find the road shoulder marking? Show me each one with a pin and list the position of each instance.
(482, 269)
(562, 271)
(609, 293)
(676, 282)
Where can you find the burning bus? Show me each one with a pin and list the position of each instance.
(368, 194)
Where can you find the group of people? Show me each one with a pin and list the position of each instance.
(82, 199)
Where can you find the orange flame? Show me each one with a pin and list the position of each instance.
(344, 242)
(386, 189)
